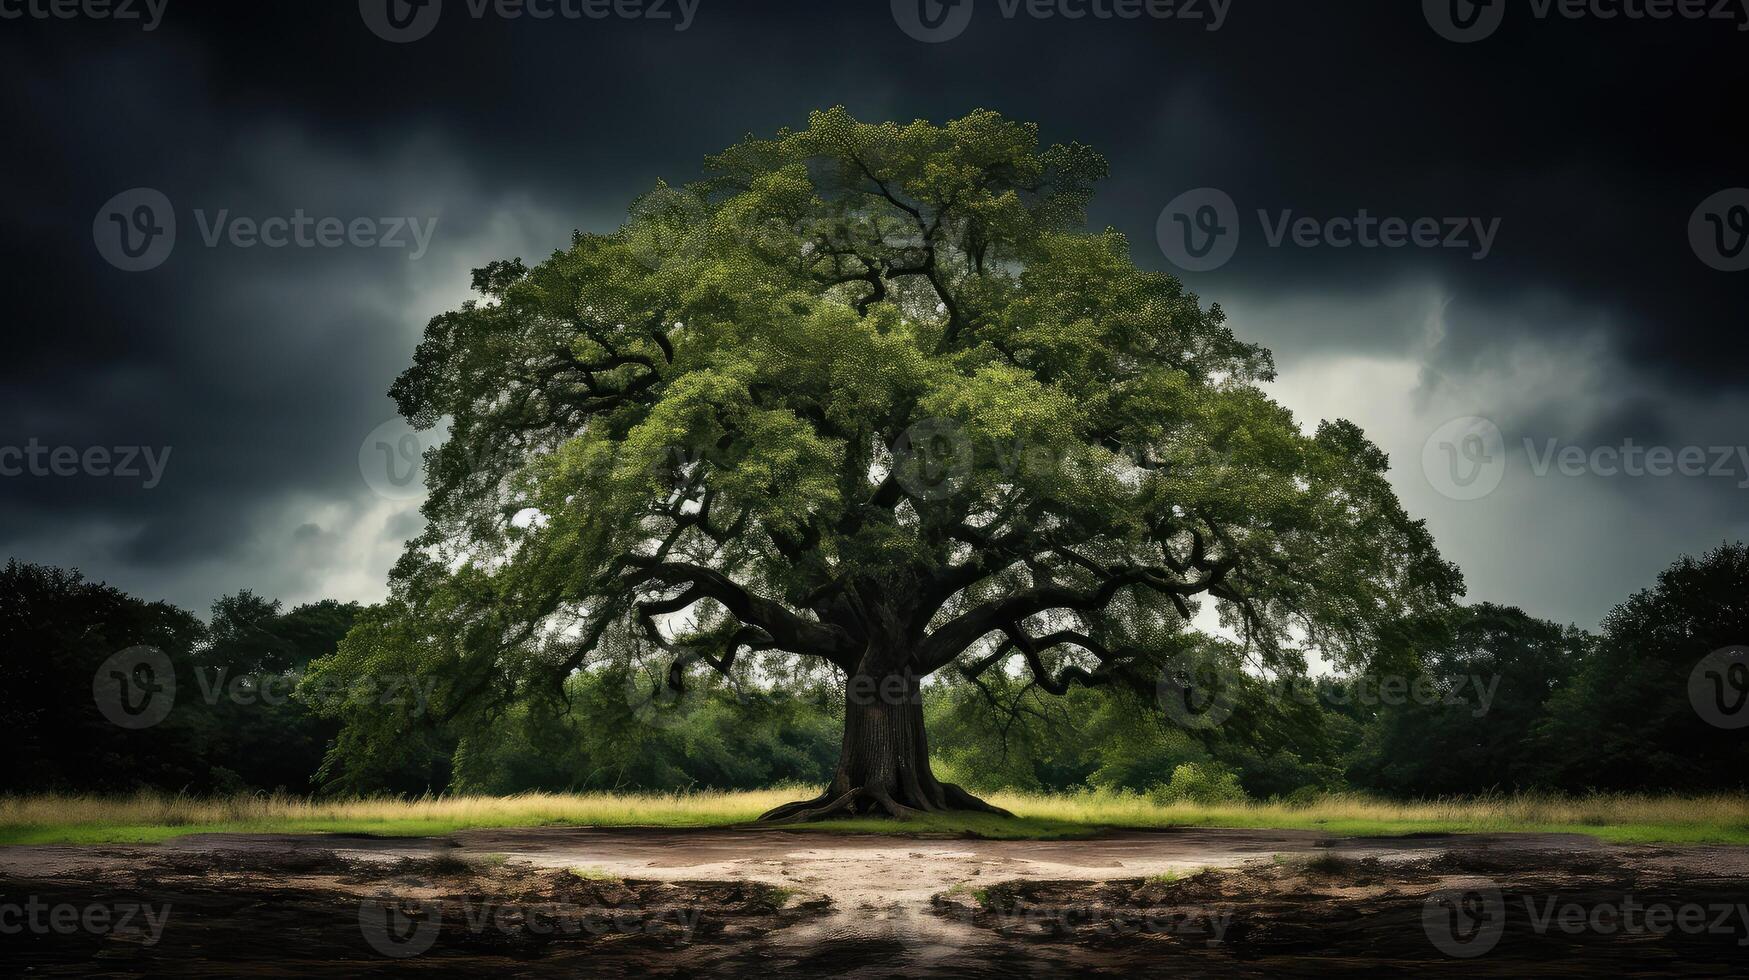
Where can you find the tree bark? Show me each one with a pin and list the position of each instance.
(883, 761)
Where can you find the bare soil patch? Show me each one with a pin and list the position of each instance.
(772, 903)
(1310, 915)
(303, 910)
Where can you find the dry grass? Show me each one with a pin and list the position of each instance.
(149, 817)
(1501, 812)
(265, 812)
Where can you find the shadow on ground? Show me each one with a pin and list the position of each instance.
(736, 903)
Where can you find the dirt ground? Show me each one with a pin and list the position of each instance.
(1191, 903)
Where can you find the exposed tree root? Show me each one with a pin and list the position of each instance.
(876, 800)
(780, 813)
(883, 763)
(962, 800)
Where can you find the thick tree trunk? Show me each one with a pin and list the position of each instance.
(883, 762)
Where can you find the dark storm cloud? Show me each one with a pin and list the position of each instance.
(1589, 142)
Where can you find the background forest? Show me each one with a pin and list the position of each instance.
(1488, 700)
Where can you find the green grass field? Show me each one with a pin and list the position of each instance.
(148, 818)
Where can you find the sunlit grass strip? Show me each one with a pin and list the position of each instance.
(152, 817)
(1720, 818)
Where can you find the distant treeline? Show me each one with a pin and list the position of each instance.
(1487, 699)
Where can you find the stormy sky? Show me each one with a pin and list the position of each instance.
(1590, 151)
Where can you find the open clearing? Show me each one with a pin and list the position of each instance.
(51, 819)
(636, 902)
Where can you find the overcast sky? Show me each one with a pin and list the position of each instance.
(1575, 153)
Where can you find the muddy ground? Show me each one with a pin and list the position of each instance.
(561, 901)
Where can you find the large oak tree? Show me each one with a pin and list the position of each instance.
(870, 397)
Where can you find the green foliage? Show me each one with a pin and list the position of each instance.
(1625, 720)
(233, 727)
(618, 729)
(1564, 711)
(56, 629)
(1192, 783)
(685, 441)
(1486, 685)
(246, 720)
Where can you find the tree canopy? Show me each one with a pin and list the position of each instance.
(870, 399)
